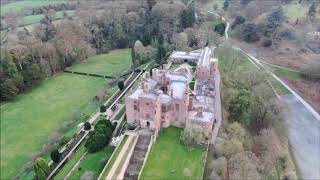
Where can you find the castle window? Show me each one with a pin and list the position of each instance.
(135, 107)
(177, 107)
(147, 104)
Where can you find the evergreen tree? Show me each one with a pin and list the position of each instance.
(41, 168)
(133, 57)
(55, 155)
(188, 16)
(237, 21)
(121, 85)
(249, 32)
(49, 29)
(274, 20)
(226, 5)
(220, 28)
(312, 10)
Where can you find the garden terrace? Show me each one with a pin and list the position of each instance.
(137, 157)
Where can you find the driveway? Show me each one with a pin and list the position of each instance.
(304, 137)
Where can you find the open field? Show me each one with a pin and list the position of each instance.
(168, 158)
(27, 122)
(92, 162)
(19, 5)
(32, 19)
(106, 64)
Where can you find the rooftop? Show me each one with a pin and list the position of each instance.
(184, 55)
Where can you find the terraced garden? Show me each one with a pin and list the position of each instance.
(27, 122)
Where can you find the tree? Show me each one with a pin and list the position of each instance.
(100, 136)
(249, 32)
(8, 90)
(188, 16)
(232, 147)
(274, 20)
(264, 109)
(237, 21)
(239, 107)
(48, 28)
(87, 126)
(55, 155)
(133, 57)
(220, 28)
(226, 5)
(312, 10)
(121, 85)
(41, 168)
(103, 109)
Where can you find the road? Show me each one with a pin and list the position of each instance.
(304, 137)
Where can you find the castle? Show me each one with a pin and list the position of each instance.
(164, 98)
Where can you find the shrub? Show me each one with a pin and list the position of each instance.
(266, 43)
(238, 20)
(41, 168)
(55, 156)
(249, 32)
(103, 109)
(121, 85)
(87, 126)
(220, 28)
(88, 175)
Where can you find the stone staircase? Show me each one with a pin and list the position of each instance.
(138, 155)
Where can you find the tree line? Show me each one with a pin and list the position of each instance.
(29, 57)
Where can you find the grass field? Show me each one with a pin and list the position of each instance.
(32, 19)
(106, 64)
(27, 122)
(19, 5)
(92, 162)
(114, 157)
(168, 158)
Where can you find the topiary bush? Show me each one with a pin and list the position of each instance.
(87, 126)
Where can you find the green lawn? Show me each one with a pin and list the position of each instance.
(19, 5)
(32, 19)
(27, 122)
(296, 10)
(168, 158)
(71, 162)
(287, 73)
(106, 64)
(114, 157)
(92, 162)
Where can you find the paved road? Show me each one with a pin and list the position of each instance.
(304, 137)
